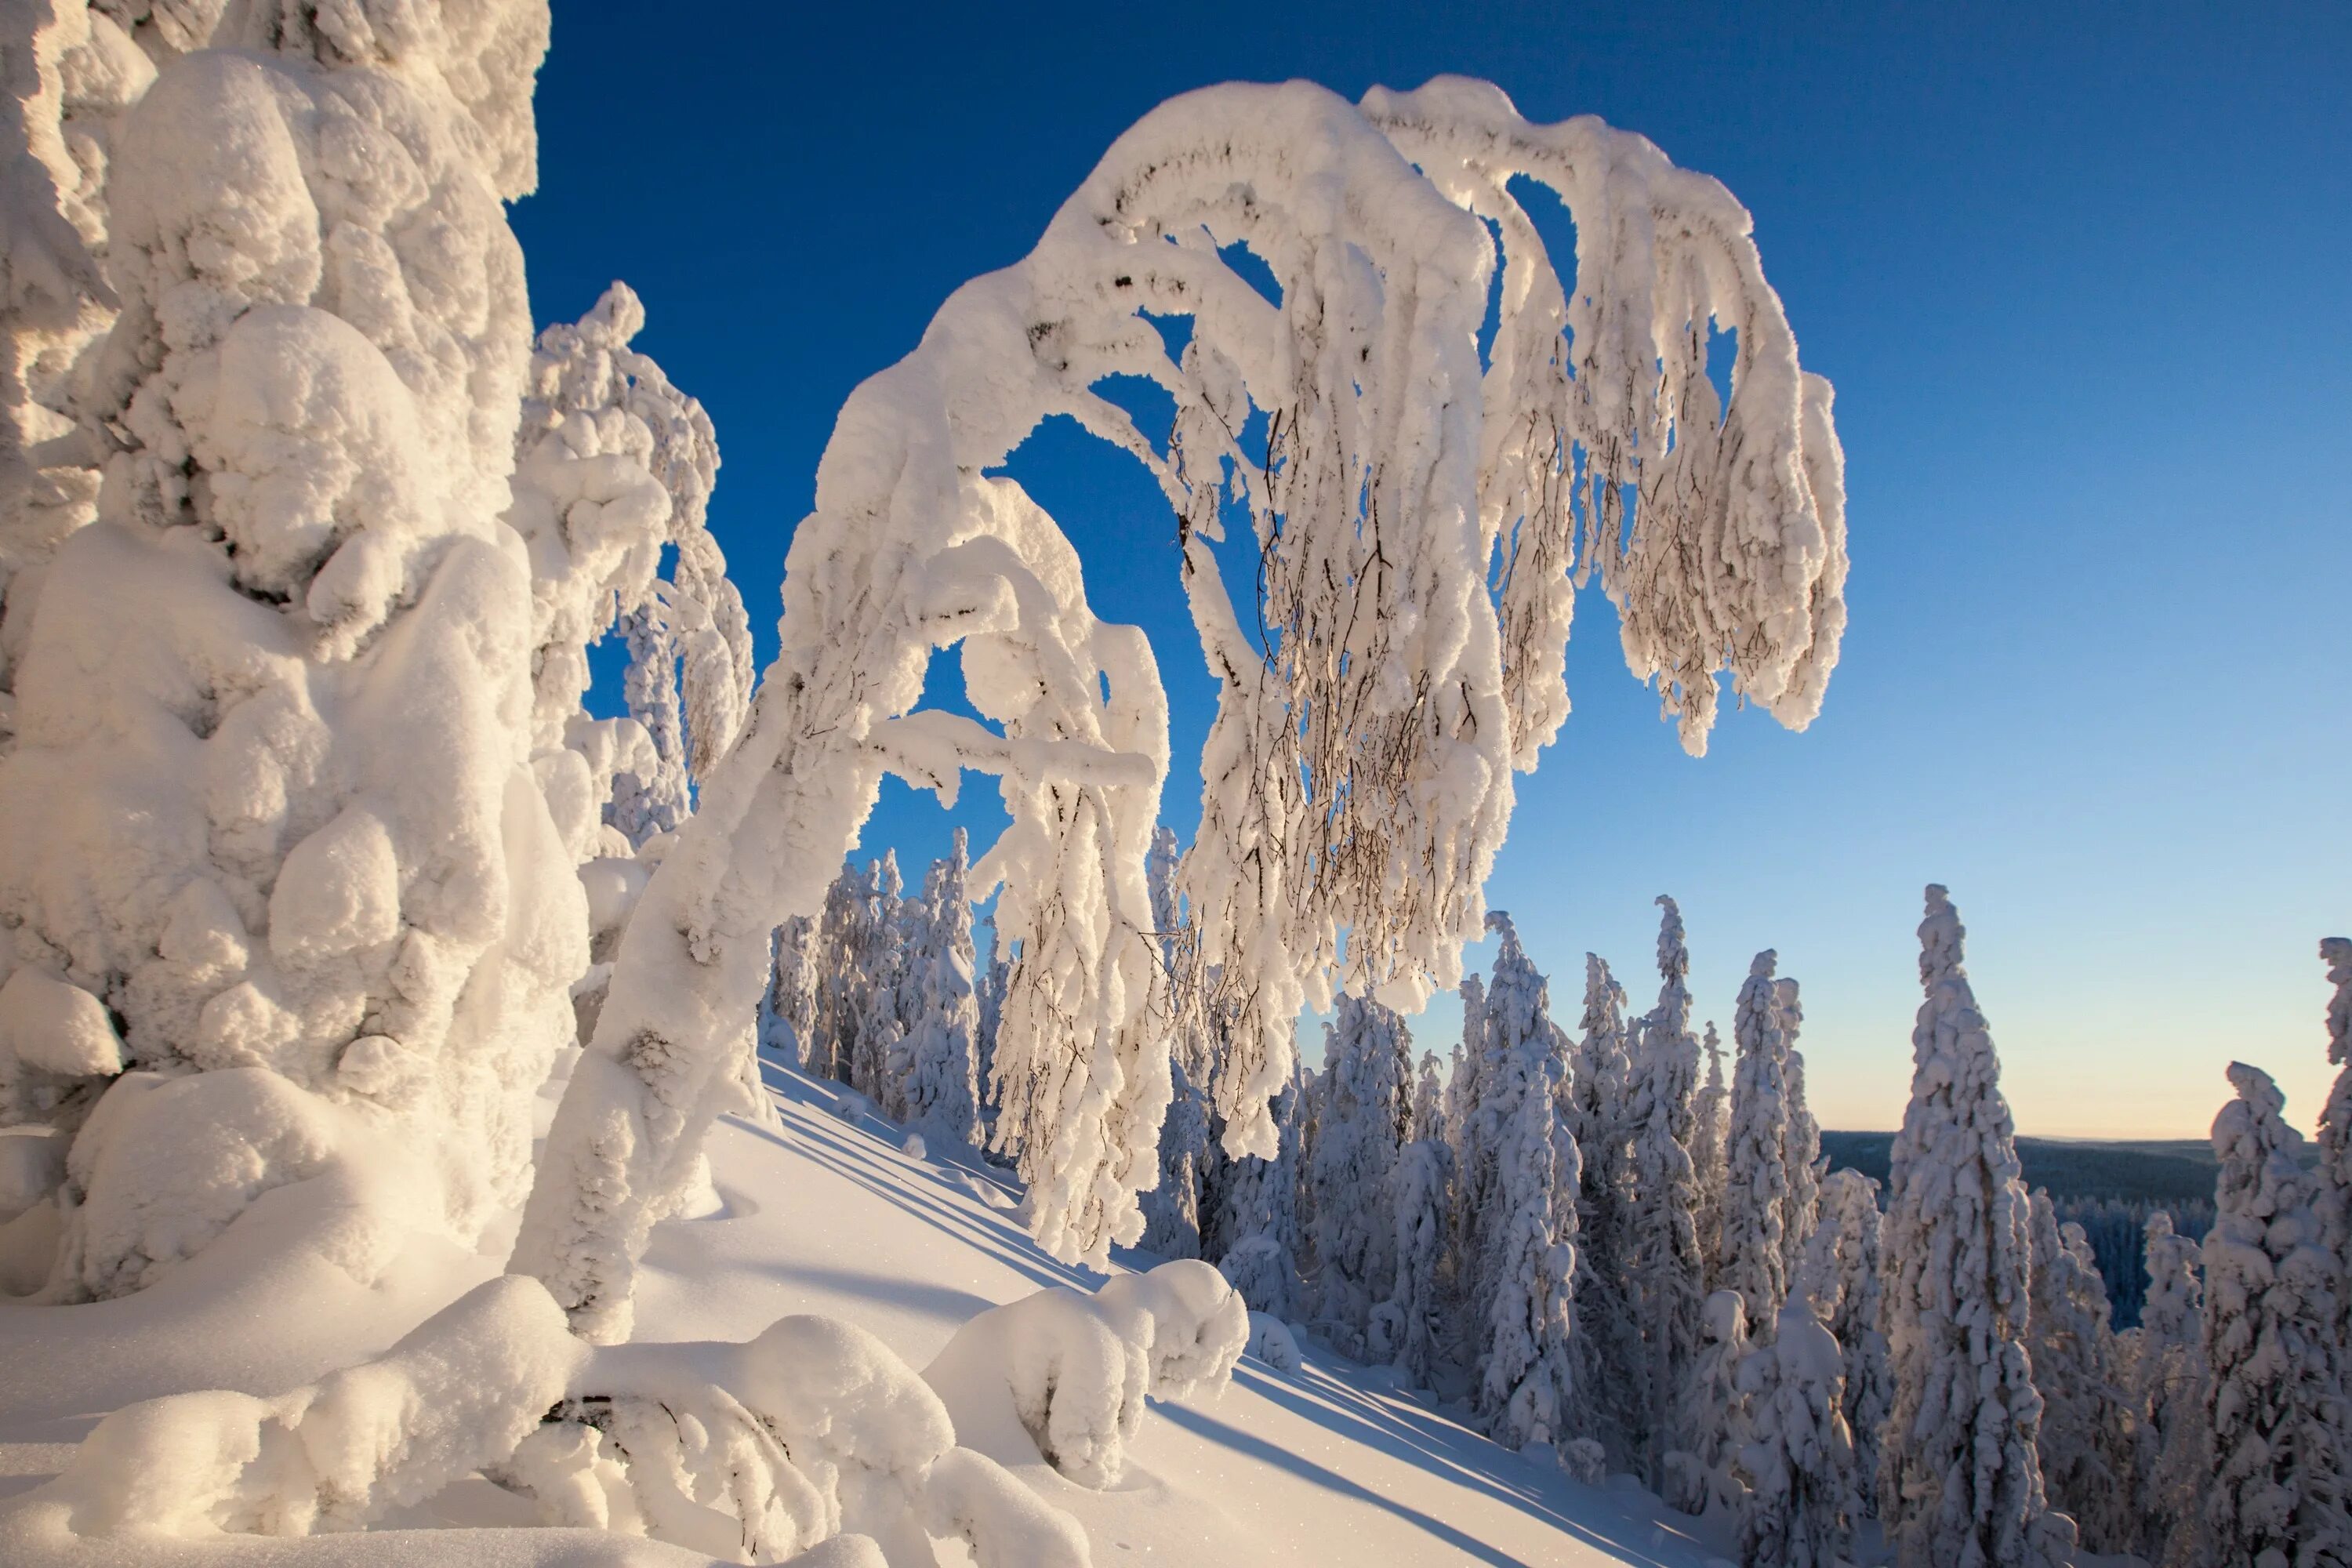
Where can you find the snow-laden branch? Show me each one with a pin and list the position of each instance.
(1373, 697)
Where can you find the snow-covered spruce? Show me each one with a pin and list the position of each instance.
(1405, 1328)
(269, 803)
(1527, 1386)
(2274, 1400)
(1839, 1279)
(2087, 1437)
(1611, 1353)
(1389, 489)
(1756, 1202)
(1710, 1140)
(1667, 1273)
(1799, 1455)
(2335, 1195)
(1699, 1473)
(1801, 1147)
(1959, 1475)
(941, 1088)
(1366, 1119)
(2173, 1458)
(1258, 1233)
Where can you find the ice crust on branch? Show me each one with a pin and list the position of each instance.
(1358, 766)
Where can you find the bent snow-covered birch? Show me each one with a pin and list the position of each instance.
(1422, 515)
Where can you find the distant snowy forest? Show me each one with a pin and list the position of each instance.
(368, 1003)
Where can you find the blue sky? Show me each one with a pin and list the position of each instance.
(2079, 273)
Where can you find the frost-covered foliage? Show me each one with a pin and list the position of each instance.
(1960, 1477)
(1667, 1273)
(2087, 1437)
(1710, 1141)
(1513, 1048)
(1367, 1118)
(1839, 1280)
(2274, 1405)
(270, 799)
(881, 974)
(790, 1010)
(941, 1091)
(1757, 1202)
(1358, 773)
(1799, 1455)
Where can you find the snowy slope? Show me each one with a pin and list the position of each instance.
(1328, 1463)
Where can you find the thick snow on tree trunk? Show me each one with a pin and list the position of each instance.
(1839, 1279)
(1799, 1455)
(1667, 1273)
(1358, 772)
(1756, 1204)
(1960, 1480)
(2274, 1406)
(270, 811)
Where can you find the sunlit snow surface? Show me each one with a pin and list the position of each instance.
(1329, 1464)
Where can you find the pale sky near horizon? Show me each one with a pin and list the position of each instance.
(2079, 277)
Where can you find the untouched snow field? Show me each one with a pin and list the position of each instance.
(1328, 1463)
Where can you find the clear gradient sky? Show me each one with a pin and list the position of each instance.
(2080, 274)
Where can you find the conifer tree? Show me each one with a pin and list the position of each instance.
(2335, 1195)
(1367, 1116)
(2087, 1438)
(1699, 1473)
(1801, 1155)
(1406, 1328)
(1839, 1279)
(1666, 1269)
(1961, 1479)
(1260, 1226)
(1614, 1359)
(1756, 1201)
(1527, 1385)
(1711, 1133)
(941, 1084)
(2174, 1457)
(2274, 1401)
(1799, 1455)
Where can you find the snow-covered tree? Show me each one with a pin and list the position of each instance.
(1666, 1272)
(1839, 1280)
(1405, 1328)
(1711, 1423)
(1614, 1359)
(1803, 1155)
(2174, 1458)
(1386, 487)
(270, 838)
(1799, 1453)
(1756, 1201)
(876, 1049)
(1513, 1047)
(1428, 1100)
(1367, 1117)
(942, 1082)
(791, 1001)
(1710, 1140)
(1527, 1386)
(1960, 1477)
(2274, 1401)
(994, 971)
(2335, 1194)
(1259, 1229)
(2087, 1437)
